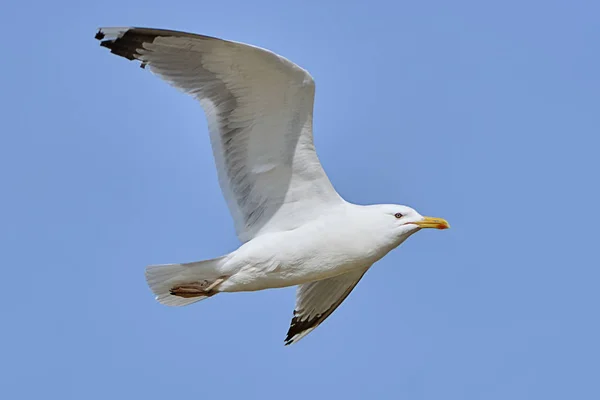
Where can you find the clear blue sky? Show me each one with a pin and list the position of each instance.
(486, 115)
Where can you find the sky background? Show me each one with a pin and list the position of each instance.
(485, 114)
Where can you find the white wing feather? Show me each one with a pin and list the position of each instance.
(316, 301)
(259, 109)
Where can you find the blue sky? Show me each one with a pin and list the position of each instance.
(486, 115)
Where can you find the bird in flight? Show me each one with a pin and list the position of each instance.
(295, 229)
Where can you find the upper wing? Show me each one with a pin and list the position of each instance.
(316, 301)
(259, 110)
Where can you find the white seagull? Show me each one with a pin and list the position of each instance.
(295, 228)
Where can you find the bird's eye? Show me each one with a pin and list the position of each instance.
(398, 215)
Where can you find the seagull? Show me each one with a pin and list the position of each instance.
(294, 228)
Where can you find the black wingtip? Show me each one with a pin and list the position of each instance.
(288, 337)
(127, 42)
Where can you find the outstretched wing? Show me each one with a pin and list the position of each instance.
(316, 301)
(259, 110)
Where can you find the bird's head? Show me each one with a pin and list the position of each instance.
(403, 221)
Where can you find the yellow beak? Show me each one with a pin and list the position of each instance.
(430, 222)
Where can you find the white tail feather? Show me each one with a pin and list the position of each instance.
(162, 278)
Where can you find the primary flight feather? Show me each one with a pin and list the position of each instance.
(295, 228)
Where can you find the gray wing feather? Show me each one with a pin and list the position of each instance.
(316, 301)
(259, 110)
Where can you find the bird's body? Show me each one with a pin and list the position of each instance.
(338, 242)
(295, 228)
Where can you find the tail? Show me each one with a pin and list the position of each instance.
(163, 278)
